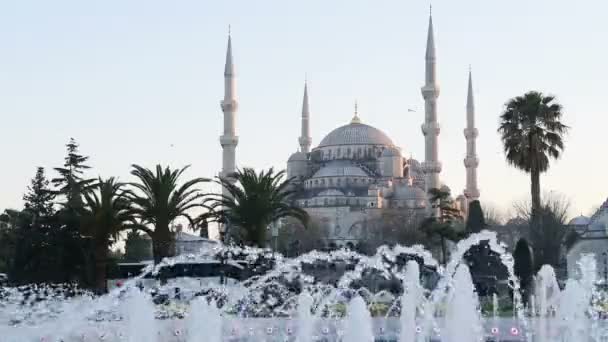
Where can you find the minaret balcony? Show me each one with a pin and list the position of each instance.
(432, 128)
(229, 140)
(471, 133)
(471, 161)
(430, 91)
(431, 167)
(229, 105)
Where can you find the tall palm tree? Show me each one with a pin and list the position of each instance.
(532, 133)
(160, 200)
(254, 201)
(107, 211)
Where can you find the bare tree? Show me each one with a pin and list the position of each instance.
(295, 239)
(492, 215)
(550, 238)
(395, 226)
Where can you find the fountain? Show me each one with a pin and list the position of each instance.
(319, 296)
(140, 320)
(359, 322)
(411, 299)
(204, 323)
(462, 317)
(306, 321)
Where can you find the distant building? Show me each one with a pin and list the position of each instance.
(185, 243)
(593, 232)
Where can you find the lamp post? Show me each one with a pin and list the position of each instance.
(605, 255)
(274, 232)
(223, 228)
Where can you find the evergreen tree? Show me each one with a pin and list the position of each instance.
(475, 220)
(137, 248)
(70, 182)
(443, 227)
(39, 198)
(523, 267)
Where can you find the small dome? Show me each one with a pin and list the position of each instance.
(298, 156)
(340, 168)
(579, 221)
(356, 133)
(407, 192)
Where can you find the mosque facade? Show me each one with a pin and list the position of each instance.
(356, 172)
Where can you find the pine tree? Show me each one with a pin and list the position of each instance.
(39, 198)
(70, 181)
(443, 226)
(475, 220)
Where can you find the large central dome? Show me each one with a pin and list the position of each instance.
(356, 133)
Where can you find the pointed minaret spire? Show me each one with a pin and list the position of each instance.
(430, 92)
(356, 119)
(470, 133)
(305, 140)
(229, 140)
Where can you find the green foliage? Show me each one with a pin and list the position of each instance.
(255, 200)
(532, 133)
(548, 238)
(39, 197)
(136, 247)
(70, 182)
(160, 200)
(107, 212)
(475, 220)
(523, 267)
(444, 226)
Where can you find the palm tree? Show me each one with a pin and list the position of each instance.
(106, 213)
(160, 200)
(254, 201)
(532, 133)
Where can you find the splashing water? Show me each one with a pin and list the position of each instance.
(410, 301)
(141, 325)
(462, 318)
(204, 323)
(320, 290)
(359, 322)
(306, 320)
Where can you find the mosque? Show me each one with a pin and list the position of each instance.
(356, 172)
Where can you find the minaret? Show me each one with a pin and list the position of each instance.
(305, 140)
(431, 166)
(229, 105)
(471, 161)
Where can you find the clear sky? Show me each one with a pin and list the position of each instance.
(141, 81)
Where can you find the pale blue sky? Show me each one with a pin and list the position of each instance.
(140, 82)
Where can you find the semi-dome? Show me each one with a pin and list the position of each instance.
(338, 168)
(298, 156)
(579, 221)
(356, 133)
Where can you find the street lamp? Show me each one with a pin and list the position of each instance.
(605, 255)
(274, 232)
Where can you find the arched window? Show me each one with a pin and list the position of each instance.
(339, 181)
(325, 201)
(348, 152)
(339, 154)
(348, 201)
(359, 152)
(331, 181)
